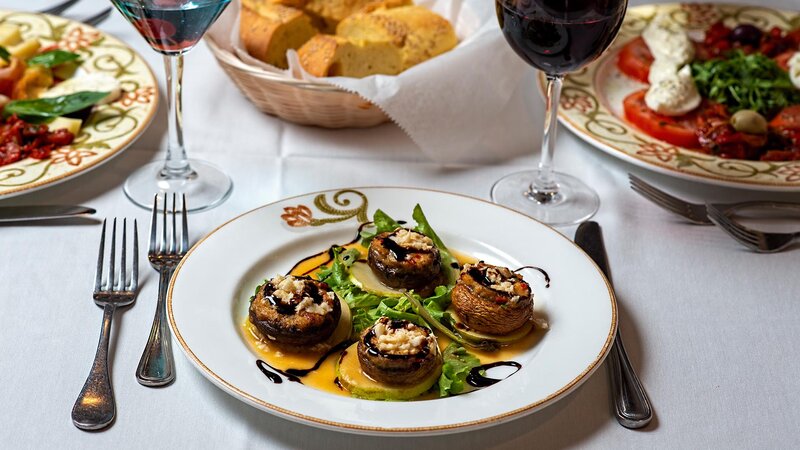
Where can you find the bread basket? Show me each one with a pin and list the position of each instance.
(298, 101)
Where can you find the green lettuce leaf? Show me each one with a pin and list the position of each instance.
(381, 223)
(425, 228)
(457, 364)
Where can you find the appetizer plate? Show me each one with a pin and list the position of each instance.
(209, 296)
(591, 105)
(110, 128)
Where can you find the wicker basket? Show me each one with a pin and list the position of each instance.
(298, 101)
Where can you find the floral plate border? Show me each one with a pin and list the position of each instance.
(110, 128)
(584, 106)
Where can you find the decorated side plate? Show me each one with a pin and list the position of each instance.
(110, 128)
(209, 296)
(591, 104)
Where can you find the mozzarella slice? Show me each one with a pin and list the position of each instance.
(794, 69)
(668, 40)
(674, 96)
(95, 82)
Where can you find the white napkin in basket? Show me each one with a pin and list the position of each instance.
(477, 102)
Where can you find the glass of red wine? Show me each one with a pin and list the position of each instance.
(556, 37)
(172, 28)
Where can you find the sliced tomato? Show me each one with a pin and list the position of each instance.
(787, 119)
(635, 60)
(680, 131)
(783, 59)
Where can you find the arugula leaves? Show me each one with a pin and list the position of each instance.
(746, 82)
(45, 109)
(457, 365)
(53, 58)
(367, 307)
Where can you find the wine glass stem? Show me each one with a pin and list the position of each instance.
(544, 188)
(177, 163)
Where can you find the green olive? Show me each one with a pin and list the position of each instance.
(749, 121)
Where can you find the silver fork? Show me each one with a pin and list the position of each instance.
(98, 18)
(59, 8)
(95, 407)
(157, 366)
(760, 241)
(693, 212)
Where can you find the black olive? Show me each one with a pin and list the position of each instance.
(747, 34)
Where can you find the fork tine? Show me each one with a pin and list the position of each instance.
(734, 230)
(59, 8)
(122, 266)
(173, 242)
(655, 192)
(153, 225)
(112, 279)
(98, 280)
(658, 201)
(185, 228)
(162, 247)
(135, 263)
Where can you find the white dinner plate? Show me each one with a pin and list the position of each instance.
(209, 296)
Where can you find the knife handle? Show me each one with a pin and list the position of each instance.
(631, 405)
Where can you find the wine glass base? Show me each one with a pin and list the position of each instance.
(574, 203)
(205, 188)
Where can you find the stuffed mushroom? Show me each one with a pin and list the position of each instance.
(398, 352)
(492, 299)
(295, 312)
(406, 259)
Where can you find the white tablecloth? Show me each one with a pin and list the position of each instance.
(710, 327)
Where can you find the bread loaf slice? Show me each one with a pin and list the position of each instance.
(327, 55)
(420, 33)
(331, 12)
(268, 29)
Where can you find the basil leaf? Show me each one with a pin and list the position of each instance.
(54, 58)
(45, 109)
(4, 54)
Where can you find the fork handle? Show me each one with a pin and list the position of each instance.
(95, 407)
(632, 407)
(157, 367)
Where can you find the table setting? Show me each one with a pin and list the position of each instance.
(310, 224)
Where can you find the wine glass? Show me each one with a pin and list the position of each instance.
(556, 37)
(173, 27)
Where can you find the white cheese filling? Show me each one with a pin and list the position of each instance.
(674, 96)
(93, 82)
(287, 288)
(794, 69)
(399, 341)
(411, 239)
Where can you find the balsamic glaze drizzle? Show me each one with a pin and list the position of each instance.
(303, 372)
(477, 380)
(540, 270)
(262, 366)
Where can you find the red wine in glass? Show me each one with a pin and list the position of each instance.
(171, 26)
(556, 37)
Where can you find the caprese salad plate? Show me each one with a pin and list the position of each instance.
(71, 97)
(391, 311)
(705, 92)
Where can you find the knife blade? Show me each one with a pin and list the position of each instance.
(631, 405)
(42, 212)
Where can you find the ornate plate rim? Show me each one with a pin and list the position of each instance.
(384, 431)
(135, 134)
(658, 166)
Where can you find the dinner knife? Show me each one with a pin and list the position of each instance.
(41, 212)
(631, 405)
